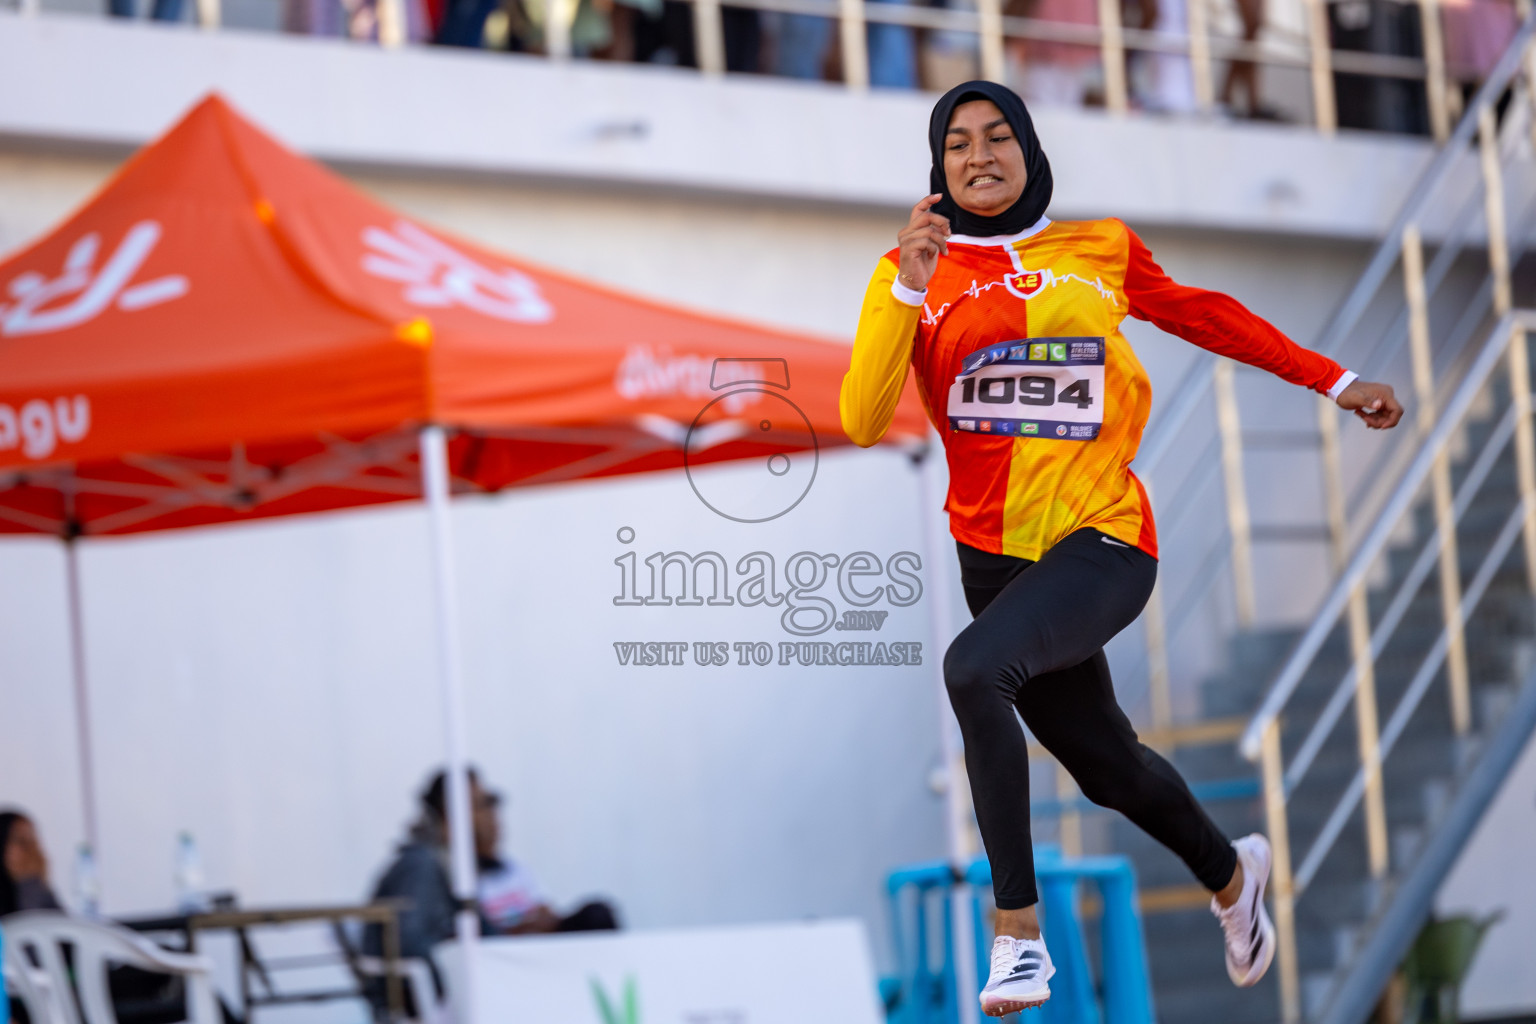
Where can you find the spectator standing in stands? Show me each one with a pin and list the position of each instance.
(802, 48)
(1244, 74)
(665, 36)
(358, 19)
(463, 22)
(1161, 82)
(1057, 74)
(160, 10)
(892, 54)
(1476, 33)
(800, 45)
(509, 901)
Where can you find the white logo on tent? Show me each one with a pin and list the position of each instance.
(438, 275)
(39, 425)
(36, 308)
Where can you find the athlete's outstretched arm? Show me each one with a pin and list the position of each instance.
(882, 351)
(1221, 324)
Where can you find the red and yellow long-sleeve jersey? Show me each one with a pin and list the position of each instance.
(1039, 398)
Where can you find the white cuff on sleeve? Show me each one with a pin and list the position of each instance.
(907, 296)
(1346, 378)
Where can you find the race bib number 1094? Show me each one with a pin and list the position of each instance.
(1036, 387)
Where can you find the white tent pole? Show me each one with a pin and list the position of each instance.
(82, 696)
(957, 790)
(434, 481)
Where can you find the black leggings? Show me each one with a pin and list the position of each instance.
(1037, 644)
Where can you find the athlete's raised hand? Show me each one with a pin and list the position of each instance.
(922, 241)
(1372, 402)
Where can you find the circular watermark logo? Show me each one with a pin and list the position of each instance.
(783, 474)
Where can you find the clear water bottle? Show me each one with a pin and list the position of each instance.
(190, 895)
(87, 885)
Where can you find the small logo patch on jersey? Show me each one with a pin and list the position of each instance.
(1026, 284)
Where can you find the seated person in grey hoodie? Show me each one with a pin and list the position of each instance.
(509, 901)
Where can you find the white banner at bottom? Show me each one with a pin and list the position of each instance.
(801, 973)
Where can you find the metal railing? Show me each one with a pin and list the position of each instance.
(1438, 424)
(1506, 342)
(1311, 52)
(1442, 197)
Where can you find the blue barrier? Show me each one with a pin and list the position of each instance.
(924, 993)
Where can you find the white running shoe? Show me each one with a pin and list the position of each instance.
(1020, 970)
(1250, 938)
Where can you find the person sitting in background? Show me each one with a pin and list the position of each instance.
(138, 996)
(23, 879)
(23, 867)
(510, 903)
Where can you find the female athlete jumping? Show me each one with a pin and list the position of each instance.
(1012, 323)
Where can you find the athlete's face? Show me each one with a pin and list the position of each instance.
(983, 161)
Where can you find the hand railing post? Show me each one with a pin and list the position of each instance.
(855, 43)
(990, 40)
(1525, 443)
(391, 23)
(1368, 731)
(1155, 623)
(1334, 507)
(1281, 884)
(1200, 56)
(1112, 51)
(1493, 210)
(1324, 110)
(1435, 84)
(1444, 500)
(1158, 693)
(558, 15)
(1519, 356)
(1366, 727)
(709, 38)
(1239, 523)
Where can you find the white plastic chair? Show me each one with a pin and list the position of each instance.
(35, 965)
(415, 975)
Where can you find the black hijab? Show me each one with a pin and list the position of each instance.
(1031, 205)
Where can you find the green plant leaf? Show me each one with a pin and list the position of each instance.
(631, 1002)
(604, 1007)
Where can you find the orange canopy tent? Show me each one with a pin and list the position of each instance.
(228, 331)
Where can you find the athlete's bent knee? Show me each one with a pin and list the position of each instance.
(972, 675)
